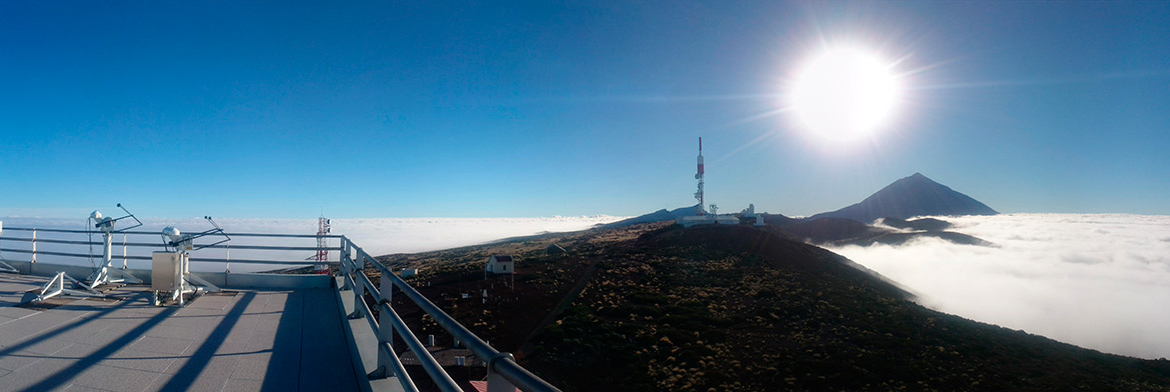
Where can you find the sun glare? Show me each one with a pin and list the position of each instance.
(844, 95)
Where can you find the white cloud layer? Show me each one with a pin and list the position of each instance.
(376, 236)
(1097, 281)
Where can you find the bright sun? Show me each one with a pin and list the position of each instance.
(844, 95)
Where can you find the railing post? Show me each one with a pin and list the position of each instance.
(345, 262)
(496, 381)
(385, 328)
(123, 250)
(359, 291)
(34, 242)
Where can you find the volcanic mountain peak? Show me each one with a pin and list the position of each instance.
(911, 196)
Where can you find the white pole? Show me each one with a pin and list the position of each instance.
(109, 259)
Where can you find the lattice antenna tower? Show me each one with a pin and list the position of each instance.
(322, 257)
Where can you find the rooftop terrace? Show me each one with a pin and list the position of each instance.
(244, 340)
(281, 332)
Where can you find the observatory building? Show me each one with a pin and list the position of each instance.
(500, 265)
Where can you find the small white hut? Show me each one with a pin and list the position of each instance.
(500, 265)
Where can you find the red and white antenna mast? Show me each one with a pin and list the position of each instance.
(322, 257)
(699, 176)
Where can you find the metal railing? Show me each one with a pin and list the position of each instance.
(504, 374)
(125, 256)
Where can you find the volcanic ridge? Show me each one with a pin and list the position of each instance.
(733, 307)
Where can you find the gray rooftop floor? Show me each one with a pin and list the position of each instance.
(252, 340)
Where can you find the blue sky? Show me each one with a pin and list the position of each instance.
(517, 109)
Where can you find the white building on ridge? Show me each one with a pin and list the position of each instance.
(500, 265)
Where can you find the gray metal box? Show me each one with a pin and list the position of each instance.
(164, 267)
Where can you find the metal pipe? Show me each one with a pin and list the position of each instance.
(376, 264)
(507, 368)
(519, 376)
(346, 266)
(359, 300)
(199, 260)
(247, 261)
(386, 329)
(428, 362)
(35, 252)
(267, 247)
(369, 284)
(159, 245)
(108, 252)
(477, 345)
(399, 370)
(501, 363)
(135, 232)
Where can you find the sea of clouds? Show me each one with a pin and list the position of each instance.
(1096, 281)
(375, 236)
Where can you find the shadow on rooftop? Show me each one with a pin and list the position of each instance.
(309, 351)
(64, 328)
(199, 360)
(66, 375)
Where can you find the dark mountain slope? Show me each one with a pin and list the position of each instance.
(656, 216)
(733, 308)
(738, 308)
(909, 197)
(825, 230)
(924, 224)
(841, 231)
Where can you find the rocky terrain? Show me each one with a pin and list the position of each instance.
(658, 307)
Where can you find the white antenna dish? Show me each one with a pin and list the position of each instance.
(171, 233)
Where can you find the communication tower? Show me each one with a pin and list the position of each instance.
(699, 176)
(322, 257)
